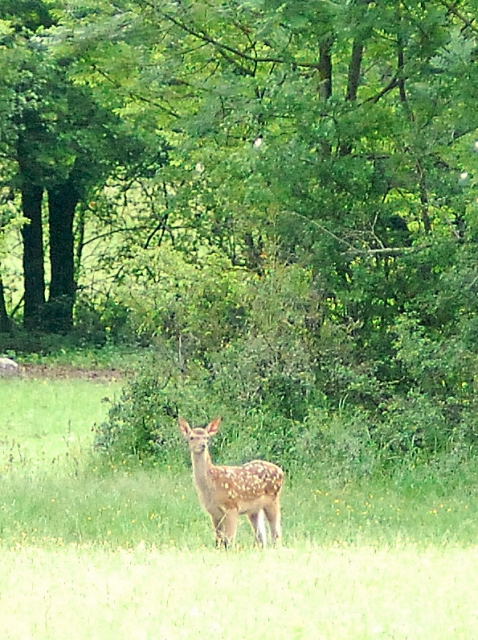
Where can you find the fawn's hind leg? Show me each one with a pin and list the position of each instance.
(259, 526)
(273, 515)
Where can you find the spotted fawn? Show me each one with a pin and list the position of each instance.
(228, 492)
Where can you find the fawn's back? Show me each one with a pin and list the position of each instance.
(246, 488)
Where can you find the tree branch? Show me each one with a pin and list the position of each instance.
(386, 251)
(468, 22)
(205, 37)
(356, 251)
(108, 234)
(321, 227)
(389, 87)
(134, 95)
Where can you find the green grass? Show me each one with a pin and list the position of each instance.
(42, 420)
(89, 357)
(90, 550)
(53, 488)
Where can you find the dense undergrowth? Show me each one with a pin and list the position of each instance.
(295, 381)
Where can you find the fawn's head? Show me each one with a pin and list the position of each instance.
(198, 438)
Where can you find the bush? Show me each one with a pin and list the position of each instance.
(340, 441)
(293, 384)
(143, 423)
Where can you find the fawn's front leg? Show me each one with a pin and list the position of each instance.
(225, 526)
(217, 518)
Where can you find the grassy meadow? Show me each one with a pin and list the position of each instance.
(89, 550)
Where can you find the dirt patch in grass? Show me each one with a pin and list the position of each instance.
(61, 372)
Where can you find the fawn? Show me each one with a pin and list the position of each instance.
(227, 492)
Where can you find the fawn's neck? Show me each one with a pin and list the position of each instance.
(201, 465)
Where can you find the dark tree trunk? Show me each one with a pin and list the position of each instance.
(325, 75)
(5, 323)
(33, 265)
(325, 68)
(62, 201)
(355, 69)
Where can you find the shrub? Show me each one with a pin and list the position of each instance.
(340, 441)
(292, 383)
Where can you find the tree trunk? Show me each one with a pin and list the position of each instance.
(62, 201)
(355, 69)
(325, 75)
(325, 68)
(5, 323)
(33, 264)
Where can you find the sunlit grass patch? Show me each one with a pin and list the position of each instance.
(324, 593)
(42, 419)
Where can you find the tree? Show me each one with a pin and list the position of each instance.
(64, 144)
(335, 132)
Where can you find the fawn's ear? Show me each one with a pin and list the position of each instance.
(213, 427)
(184, 427)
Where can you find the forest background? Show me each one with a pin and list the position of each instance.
(276, 200)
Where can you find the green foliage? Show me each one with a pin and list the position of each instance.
(294, 387)
(343, 441)
(257, 372)
(138, 424)
(200, 302)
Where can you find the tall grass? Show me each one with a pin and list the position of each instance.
(159, 507)
(54, 489)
